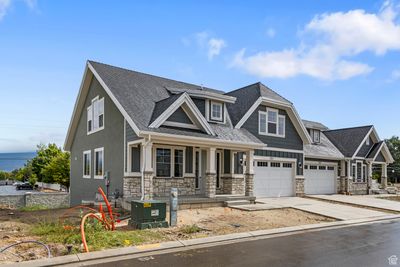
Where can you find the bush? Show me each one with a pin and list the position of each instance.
(190, 229)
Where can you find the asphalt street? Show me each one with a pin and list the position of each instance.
(365, 245)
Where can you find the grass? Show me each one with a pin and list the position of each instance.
(34, 208)
(190, 229)
(96, 236)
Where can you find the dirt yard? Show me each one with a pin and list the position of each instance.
(18, 226)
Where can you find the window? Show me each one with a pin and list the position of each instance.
(216, 111)
(315, 135)
(322, 168)
(170, 162)
(178, 163)
(306, 167)
(271, 123)
(287, 165)
(133, 158)
(99, 163)
(331, 168)
(364, 176)
(353, 171)
(163, 162)
(367, 142)
(262, 124)
(95, 115)
(87, 163)
(313, 167)
(275, 164)
(262, 163)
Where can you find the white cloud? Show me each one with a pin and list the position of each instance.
(395, 75)
(4, 6)
(206, 42)
(214, 47)
(336, 38)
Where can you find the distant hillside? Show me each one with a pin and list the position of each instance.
(11, 161)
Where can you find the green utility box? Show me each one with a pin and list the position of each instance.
(148, 214)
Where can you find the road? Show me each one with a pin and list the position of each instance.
(365, 245)
(10, 190)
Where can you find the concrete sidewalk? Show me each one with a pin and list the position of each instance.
(366, 201)
(336, 211)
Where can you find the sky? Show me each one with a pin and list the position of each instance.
(337, 61)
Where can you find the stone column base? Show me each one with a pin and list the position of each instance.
(384, 182)
(148, 185)
(299, 186)
(342, 186)
(249, 184)
(210, 184)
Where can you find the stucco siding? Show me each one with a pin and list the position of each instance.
(292, 139)
(111, 138)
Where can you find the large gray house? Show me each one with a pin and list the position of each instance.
(148, 134)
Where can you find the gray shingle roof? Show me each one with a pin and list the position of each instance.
(245, 98)
(349, 139)
(324, 149)
(314, 125)
(144, 97)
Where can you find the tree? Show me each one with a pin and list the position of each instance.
(394, 148)
(44, 155)
(24, 173)
(4, 175)
(58, 169)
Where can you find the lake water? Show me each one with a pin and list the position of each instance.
(12, 161)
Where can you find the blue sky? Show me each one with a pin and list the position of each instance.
(337, 61)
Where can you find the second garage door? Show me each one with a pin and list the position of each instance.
(273, 179)
(319, 179)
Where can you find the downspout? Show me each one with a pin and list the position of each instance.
(143, 165)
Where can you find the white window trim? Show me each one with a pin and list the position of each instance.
(277, 123)
(102, 163)
(220, 118)
(97, 98)
(87, 152)
(172, 160)
(129, 171)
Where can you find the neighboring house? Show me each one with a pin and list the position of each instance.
(148, 134)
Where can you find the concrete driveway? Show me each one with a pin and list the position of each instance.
(337, 211)
(372, 201)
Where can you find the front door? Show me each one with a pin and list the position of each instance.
(199, 171)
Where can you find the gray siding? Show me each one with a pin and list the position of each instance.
(283, 154)
(111, 138)
(180, 116)
(201, 105)
(189, 160)
(365, 149)
(292, 140)
(135, 159)
(380, 158)
(129, 137)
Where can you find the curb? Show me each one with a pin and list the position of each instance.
(213, 240)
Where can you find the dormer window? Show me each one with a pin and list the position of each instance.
(367, 142)
(315, 135)
(216, 111)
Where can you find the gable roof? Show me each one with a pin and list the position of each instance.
(375, 150)
(324, 149)
(314, 125)
(143, 98)
(246, 96)
(382, 148)
(348, 140)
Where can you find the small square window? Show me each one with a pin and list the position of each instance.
(216, 111)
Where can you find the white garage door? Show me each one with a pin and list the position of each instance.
(273, 179)
(319, 179)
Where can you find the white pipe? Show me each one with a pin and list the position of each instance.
(144, 164)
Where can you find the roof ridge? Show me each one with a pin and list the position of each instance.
(275, 92)
(156, 76)
(242, 88)
(348, 128)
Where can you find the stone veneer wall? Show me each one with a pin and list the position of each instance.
(233, 185)
(299, 186)
(358, 188)
(162, 186)
(47, 200)
(132, 187)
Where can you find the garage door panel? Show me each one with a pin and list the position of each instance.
(273, 181)
(319, 181)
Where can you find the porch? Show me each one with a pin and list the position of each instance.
(199, 171)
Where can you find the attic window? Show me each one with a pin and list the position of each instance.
(95, 115)
(315, 135)
(367, 142)
(216, 111)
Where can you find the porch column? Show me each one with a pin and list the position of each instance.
(342, 179)
(369, 177)
(384, 176)
(249, 173)
(210, 183)
(148, 172)
(348, 177)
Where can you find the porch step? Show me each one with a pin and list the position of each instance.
(234, 203)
